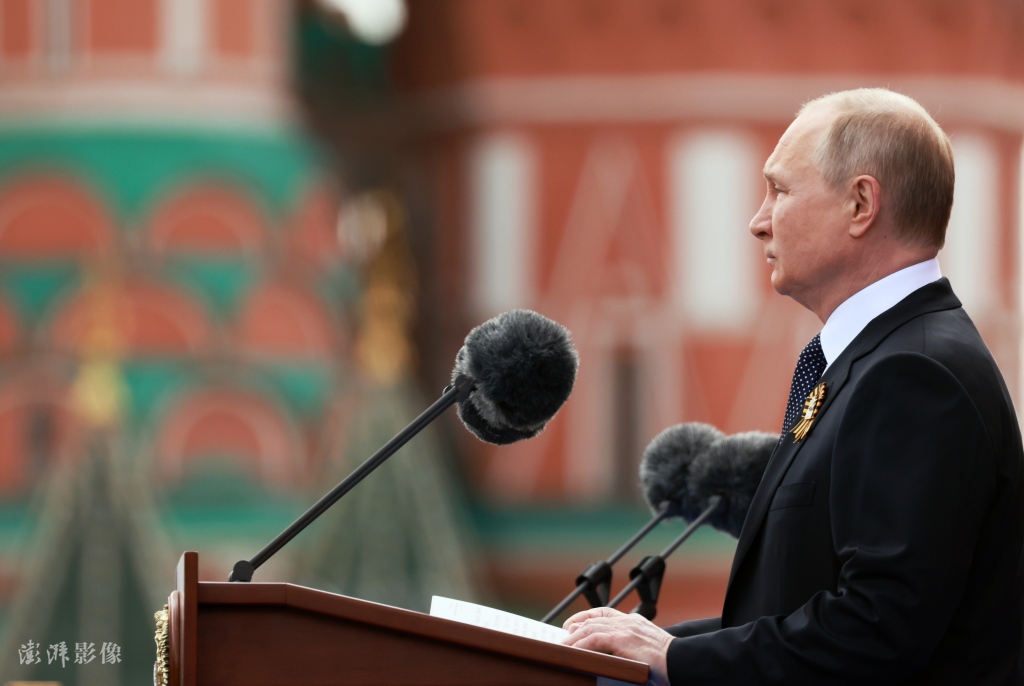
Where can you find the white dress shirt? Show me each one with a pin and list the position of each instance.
(850, 318)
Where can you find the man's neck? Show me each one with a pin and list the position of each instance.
(870, 271)
(850, 318)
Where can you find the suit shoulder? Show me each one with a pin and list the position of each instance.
(950, 338)
(951, 343)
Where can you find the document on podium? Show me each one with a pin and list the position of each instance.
(489, 618)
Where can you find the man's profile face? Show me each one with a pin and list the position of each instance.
(800, 224)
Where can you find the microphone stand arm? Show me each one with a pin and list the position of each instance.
(457, 392)
(596, 580)
(646, 577)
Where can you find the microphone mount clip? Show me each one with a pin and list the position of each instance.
(597, 582)
(651, 571)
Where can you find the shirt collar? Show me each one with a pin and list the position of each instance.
(857, 311)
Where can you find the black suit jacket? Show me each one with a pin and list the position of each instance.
(886, 546)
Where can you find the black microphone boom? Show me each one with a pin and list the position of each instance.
(596, 580)
(244, 569)
(511, 376)
(646, 576)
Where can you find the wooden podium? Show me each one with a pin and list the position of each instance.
(273, 634)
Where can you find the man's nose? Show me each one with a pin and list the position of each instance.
(761, 224)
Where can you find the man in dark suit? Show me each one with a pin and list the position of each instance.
(884, 543)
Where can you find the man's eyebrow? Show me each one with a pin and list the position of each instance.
(768, 174)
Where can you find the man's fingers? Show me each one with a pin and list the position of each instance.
(629, 636)
(599, 642)
(592, 613)
(616, 624)
(582, 631)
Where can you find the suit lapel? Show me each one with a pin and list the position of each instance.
(933, 297)
(779, 463)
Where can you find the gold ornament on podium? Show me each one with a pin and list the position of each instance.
(162, 667)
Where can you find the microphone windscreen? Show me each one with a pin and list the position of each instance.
(731, 468)
(665, 467)
(485, 431)
(523, 366)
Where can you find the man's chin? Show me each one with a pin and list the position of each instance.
(779, 283)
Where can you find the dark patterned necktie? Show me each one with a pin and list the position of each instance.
(808, 370)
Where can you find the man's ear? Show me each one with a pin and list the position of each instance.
(864, 203)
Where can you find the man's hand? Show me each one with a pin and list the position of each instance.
(631, 636)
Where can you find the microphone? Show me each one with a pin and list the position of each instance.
(523, 366)
(666, 466)
(662, 473)
(690, 463)
(511, 376)
(700, 475)
(732, 469)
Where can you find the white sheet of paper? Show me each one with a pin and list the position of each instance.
(489, 618)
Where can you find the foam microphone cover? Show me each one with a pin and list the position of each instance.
(732, 468)
(665, 466)
(523, 366)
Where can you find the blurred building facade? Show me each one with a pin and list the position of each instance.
(182, 329)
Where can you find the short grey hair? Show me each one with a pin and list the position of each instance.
(892, 138)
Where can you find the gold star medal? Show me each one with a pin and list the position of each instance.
(811, 406)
